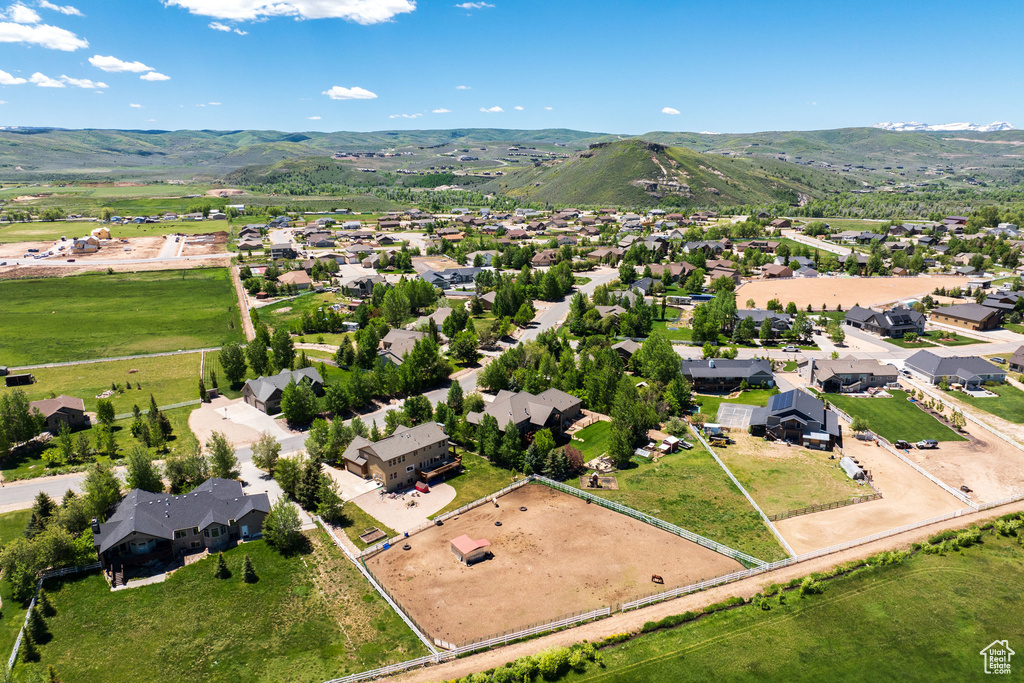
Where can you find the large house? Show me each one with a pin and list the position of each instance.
(848, 375)
(450, 277)
(551, 409)
(162, 526)
(780, 322)
(420, 453)
(296, 278)
(264, 393)
(397, 343)
(715, 375)
(969, 316)
(362, 285)
(61, 410)
(969, 371)
(895, 322)
(799, 418)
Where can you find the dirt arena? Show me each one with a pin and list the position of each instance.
(907, 496)
(990, 467)
(844, 291)
(559, 557)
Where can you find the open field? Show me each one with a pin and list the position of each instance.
(52, 231)
(12, 526)
(781, 478)
(690, 490)
(1009, 405)
(561, 554)
(889, 611)
(309, 617)
(894, 418)
(171, 379)
(104, 316)
(287, 312)
(907, 496)
(842, 291)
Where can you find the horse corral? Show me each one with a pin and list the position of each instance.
(559, 556)
(843, 291)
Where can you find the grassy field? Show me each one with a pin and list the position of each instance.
(478, 479)
(1009, 405)
(894, 418)
(690, 489)
(287, 312)
(104, 316)
(890, 611)
(309, 617)
(709, 404)
(356, 521)
(12, 526)
(595, 439)
(25, 465)
(171, 379)
(782, 479)
(53, 231)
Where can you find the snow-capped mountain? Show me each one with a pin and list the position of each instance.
(913, 126)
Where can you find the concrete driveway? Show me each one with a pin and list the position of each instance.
(398, 514)
(237, 420)
(350, 485)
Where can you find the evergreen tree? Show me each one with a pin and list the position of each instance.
(248, 572)
(45, 605)
(455, 398)
(36, 627)
(29, 651)
(222, 571)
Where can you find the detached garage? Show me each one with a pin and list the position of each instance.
(469, 551)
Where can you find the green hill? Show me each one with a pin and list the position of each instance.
(639, 173)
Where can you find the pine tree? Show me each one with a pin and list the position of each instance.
(248, 573)
(29, 651)
(45, 606)
(222, 571)
(51, 674)
(36, 626)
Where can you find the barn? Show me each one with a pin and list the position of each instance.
(469, 551)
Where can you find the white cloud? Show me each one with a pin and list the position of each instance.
(218, 26)
(442, 110)
(463, 87)
(8, 79)
(3, 101)
(669, 110)
(44, 81)
(517, 108)
(154, 76)
(474, 5)
(548, 108)
(114, 65)
(83, 83)
(359, 11)
(150, 120)
(314, 118)
(44, 35)
(136, 106)
(214, 104)
(340, 93)
(63, 9)
(405, 116)
(491, 110)
(23, 15)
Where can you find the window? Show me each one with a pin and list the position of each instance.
(215, 532)
(410, 468)
(196, 544)
(180, 533)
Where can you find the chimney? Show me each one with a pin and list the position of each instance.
(95, 525)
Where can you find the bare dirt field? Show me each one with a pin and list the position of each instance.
(907, 496)
(990, 467)
(425, 263)
(194, 247)
(559, 557)
(842, 291)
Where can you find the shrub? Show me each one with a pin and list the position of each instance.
(811, 587)
(553, 663)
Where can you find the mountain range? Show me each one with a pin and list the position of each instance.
(914, 126)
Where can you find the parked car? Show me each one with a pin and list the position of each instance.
(998, 359)
(928, 443)
(791, 349)
(71, 260)
(900, 443)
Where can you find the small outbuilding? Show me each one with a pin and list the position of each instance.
(469, 551)
(852, 469)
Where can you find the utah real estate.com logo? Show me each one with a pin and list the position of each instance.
(997, 657)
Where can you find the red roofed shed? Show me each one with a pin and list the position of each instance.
(469, 551)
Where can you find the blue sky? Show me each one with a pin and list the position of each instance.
(617, 67)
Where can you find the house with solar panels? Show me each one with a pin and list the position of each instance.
(799, 418)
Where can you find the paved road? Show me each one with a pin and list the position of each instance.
(555, 315)
(816, 243)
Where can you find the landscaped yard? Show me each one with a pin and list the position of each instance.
(936, 337)
(593, 440)
(889, 611)
(105, 316)
(709, 404)
(171, 379)
(1009, 405)
(356, 521)
(479, 478)
(287, 312)
(690, 489)
(894, 418)
(309, 617)
(781, 478)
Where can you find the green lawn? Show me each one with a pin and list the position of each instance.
(680, 333)
(12, 526)
(309, 618)
(287, 312)
(26, 465)
(103, 316)
(53, 231)
(594, 439)
(894, 418)
(935, 338)
(479, 478)
(171, 379)
(1014, 327)
(782, 479)
(689, 489)
(709, 404)
(1009, 405)
(889, 612)
(356, 521)
(921, 343)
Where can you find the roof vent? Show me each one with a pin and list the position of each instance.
(711, 363)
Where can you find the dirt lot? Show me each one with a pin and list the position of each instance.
(844, 291)
(546, 564)
(195, 247)
(992, 468)
(907, 496)
(425, 263)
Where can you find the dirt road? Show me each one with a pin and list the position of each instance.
(243, 307)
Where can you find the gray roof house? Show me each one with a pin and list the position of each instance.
(715, 375)
(550, 409)
(213, 515)
(419, 453)
(895, 322)
(780, 322)
(799, 418)
(264, 393)
(397, 343)
(969, 371)
(849, 375)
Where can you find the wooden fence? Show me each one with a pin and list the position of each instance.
(823, 506)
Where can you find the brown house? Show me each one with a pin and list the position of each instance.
(61, 410)
(968, 316)
(775, 271)
(420, 453)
